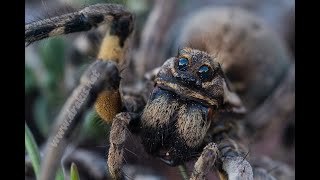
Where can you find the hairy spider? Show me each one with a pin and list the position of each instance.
(190, 111)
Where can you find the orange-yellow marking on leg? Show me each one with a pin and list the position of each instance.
(111, 50)
(108, 105)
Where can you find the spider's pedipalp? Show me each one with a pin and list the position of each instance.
(118, 135)
(205, 162)
(83, 20)
(236, 168)
(233, 164)
(113, 48)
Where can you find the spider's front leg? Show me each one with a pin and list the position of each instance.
(205, 162)
(99, 76)
(118, 134)
(233, 161)
(227, 157)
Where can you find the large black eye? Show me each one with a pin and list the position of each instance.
(204, 72)
(183, 64)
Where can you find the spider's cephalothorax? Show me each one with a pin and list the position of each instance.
(189, 91)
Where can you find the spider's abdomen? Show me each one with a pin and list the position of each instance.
(173, 128)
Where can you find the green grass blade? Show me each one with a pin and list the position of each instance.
(74, 175)
(32, 150)
(59, 175)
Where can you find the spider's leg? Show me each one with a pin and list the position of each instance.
(118, 134)
(233, 161)
(232, 165)
(265, 168)
(133, 103)
(99, 76)
(262, 174)
(113, 45)
(205, 162)
(113, 48)
(83, 20)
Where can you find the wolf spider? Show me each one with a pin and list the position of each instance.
(191, 106)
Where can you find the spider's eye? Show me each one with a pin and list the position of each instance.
(183, 64)
(204, 72)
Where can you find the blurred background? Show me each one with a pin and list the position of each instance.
(53, 68)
